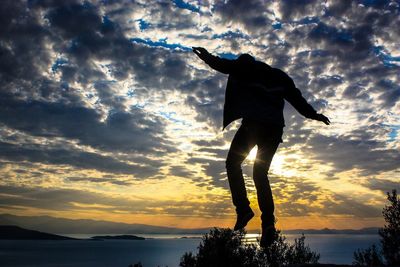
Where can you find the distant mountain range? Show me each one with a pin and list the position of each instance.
(327, 231)
(84, 226)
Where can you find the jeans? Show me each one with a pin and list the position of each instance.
(267, 139)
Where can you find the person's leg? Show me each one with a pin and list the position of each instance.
(267, 147)
(241, 145)
(265, 153)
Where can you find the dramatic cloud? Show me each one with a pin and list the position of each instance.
(103, 101)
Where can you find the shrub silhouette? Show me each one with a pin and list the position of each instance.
(390, 238)
(188, 260)
(368, 257)
(226, 248)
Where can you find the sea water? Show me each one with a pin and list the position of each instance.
(157, 250)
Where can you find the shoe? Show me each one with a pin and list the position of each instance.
(243, 219)
(268, 236)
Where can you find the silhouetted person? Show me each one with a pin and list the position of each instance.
(255, 92)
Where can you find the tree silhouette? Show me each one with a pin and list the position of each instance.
(368, 257)
(225, 247)
(390, 233)
(390, 238)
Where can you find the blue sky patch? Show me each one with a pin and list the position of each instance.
(387, 59)
(107, 24)
(230, 35)
(161, 43)
(58, 63)
(332, 33)
(143, 25)
(307, 20)
(185, 5)
(171, 117)
(228, 55)
(393, 134)
(277, 25)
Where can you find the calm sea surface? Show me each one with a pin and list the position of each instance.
(158, 250)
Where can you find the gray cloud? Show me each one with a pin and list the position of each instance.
(305, 197)
(363, 153)
(66, 200)
(78, 159)
(61, 61)
(48, 108)
(253, 19)
(297, 9)
(383, 185)
(180, 170)
(122, 131)
(107, 180)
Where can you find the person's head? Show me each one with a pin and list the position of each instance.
(246, 58)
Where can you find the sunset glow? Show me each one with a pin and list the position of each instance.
(106, 114)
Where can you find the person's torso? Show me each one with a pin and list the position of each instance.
(257, 92)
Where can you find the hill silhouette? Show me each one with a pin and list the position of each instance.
(12, 232)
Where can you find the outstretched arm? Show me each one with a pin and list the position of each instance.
(296, 99)
(220, 64)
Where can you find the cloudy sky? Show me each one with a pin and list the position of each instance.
(105, 113)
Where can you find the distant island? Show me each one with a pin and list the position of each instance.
(12, 232)
(117, 237)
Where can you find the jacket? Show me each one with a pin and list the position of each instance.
(257, 91)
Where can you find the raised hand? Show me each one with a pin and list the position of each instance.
(201, 52)
(324, 119)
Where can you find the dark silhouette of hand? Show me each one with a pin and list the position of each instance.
(324, 119)
(201, 52)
